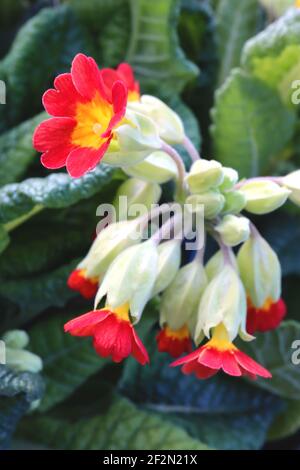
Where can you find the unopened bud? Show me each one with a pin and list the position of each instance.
(20, 360)
(212, 202)
(264, 196)
(158, 167)
(204, 175)
(16, 339)
(169, 255)
(230, 178)
(235, 202)
(137, 192)
(292, 182)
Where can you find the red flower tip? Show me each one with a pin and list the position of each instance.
(174, 342)
(87, 286)
(268, 317)
(113, 333)
(124, 73)
(220, 353)
(84, 118)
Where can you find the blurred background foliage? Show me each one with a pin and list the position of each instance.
(226, 66)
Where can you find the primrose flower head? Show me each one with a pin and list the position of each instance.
(107, 245)
(89, 121)
(223, 301)
(112, 332)
(219, 353)
(181, 299)
(130, 279)
(261, 274)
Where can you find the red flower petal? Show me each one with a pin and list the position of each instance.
(84, 325)
(186, 359)
(79, 282)
(173, 345)
(251, 366)
(84, 159)
(265, 318)
(125, 72)
(86, 76)
(139, 351)
(229, 364)
(109, 77)
(53, 133)
(62, 100)
(56, 157)
(210, 357)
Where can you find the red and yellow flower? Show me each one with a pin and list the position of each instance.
(174, 342)
(85, 114)
(124, 73)
(267, 317)
(112, 331)
(220, 353)
(80, 282)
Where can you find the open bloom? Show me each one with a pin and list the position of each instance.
(112, 332)
(220, 353)
(174, 342)
(124, 73)
(267, 317)
(85, 118)
(82, 283)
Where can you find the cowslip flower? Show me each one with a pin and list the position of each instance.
(80, 282)
(219, 353)
(107, 245)
(124, 73)
(81, 130)
(261, 274)
(112, 332)
(174, 342)
(267, 317)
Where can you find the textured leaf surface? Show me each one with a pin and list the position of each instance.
(244, 135)
(56, 191)
(286, 423)
(214, 411)
(236, 21)
(154, 49)
(122, 427)
(27, 72)
(68, 361)
(274, 55)
(274, 350)
(17, 391)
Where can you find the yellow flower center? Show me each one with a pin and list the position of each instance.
(220, 340)
(133, 95)
(121, 312)
(180, 334)
(266, 305)
(92, 121)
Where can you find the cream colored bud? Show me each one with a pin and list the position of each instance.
(230, 178)
(169, 256)
(139, 192)
(264, 196)
(217, 262)
(292, 182)
(212, 202)
(235, 202)
(233, 230)
(158, 167)
(16, 339)
(204, 175)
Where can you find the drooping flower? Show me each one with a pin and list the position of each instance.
(112, 331)
(124, 73)
(220, 353)
(80, 282)
(84, 119)
(267, 317)
(174, 342)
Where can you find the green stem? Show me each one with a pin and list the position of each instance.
(20, 220)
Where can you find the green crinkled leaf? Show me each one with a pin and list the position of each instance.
(17, 391)
(273, 56)
(154, 49)
(122, 427)
(28, 72)
(213, 411)
(68, 361)
(286, 423)
(56, 191)
(236, 21)
(32, 295)
(250, 124)
(274, 350)
(16, 151)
